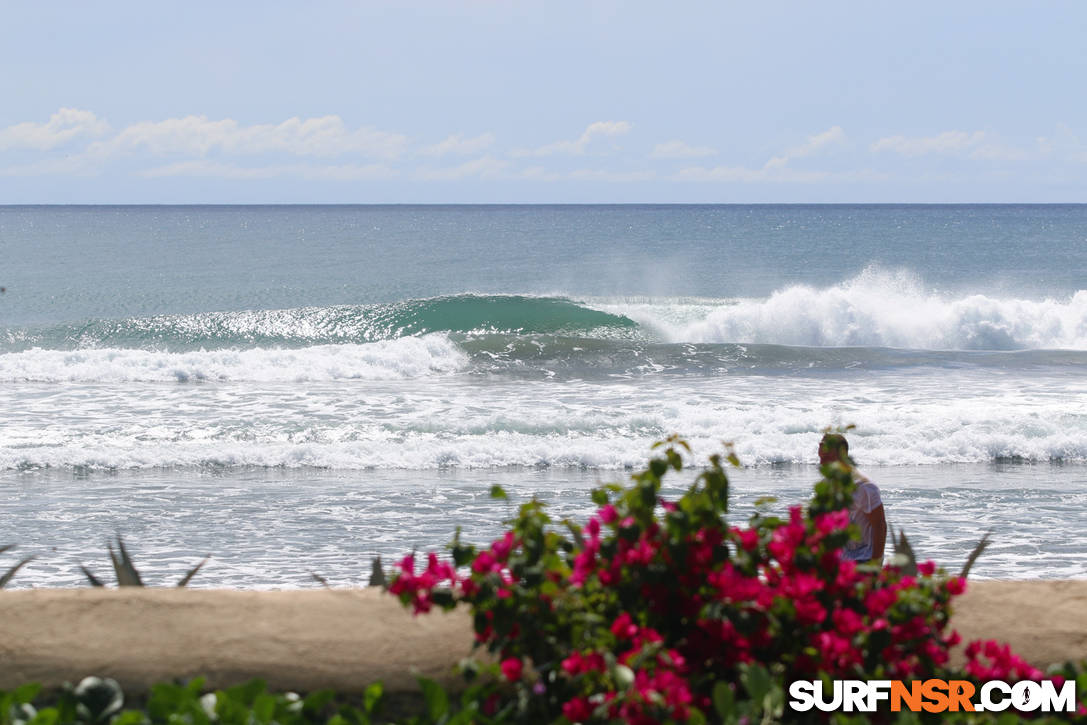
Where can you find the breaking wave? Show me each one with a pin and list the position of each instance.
(408, 357)
(874, 309)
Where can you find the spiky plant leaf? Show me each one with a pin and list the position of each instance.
(95, 581)
(377, 574)
(11, 572)
(903, 549)
(98, 699)
(5, 547)
(320, 580)
(127, 576)
(981, 547)
(192, 572)
(575, 532)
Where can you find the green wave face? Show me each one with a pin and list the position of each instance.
(499, 313)
(328, 325)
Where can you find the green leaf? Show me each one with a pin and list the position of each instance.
(264, 708)
(95, 581)
(435, 697)
(903, 548)
(195, 686)
(165, 698)
(318, 700)
(499, 492)
(127, 576)
(773, 704)
(249, 692)
(981, 547)
(756, 680)
(695, 717)
(377, 573)
(26, 693)
(48, 716)
(674, 459)
(192, 572)
(371, 697)
(13, 570)
(130, 717)
(724, 701)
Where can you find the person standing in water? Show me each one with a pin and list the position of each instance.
(867, 509)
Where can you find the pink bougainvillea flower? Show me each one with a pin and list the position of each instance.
(577, 710)
(512, 668)
(624, 627)
(956, 585)
(658, 603)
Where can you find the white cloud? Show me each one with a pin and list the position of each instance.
(579, 146)
(978, 145)
(744, 174)
(485, 167)
(63, 126)
(946, 142)
(997, 151)
(459, 146)
(832, 136)
(1063, 145)
(538, 173)
(349, 172)
(613, 176)
(772, 175)
(681, 150)
(198, 135)
(777, 169)
(64, 166)
(215, 169)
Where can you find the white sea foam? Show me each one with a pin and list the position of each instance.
(470, 423)
(407, 357)
(877, 308)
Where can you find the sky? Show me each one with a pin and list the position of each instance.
(488, 101)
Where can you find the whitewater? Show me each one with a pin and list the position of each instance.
(212, 380)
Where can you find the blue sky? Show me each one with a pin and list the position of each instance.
(489, 101)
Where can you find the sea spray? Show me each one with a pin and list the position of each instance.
(877, 308)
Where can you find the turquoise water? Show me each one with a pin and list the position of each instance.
(164, 364)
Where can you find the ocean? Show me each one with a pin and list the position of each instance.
(295, 389)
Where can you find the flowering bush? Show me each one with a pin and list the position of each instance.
(659, 610)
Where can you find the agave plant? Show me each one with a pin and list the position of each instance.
(97, 699)
(125, 570)
(6, 576)
(905, 558)
(377, 575)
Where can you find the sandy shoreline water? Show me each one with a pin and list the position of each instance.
(345, 639)
(268, 529)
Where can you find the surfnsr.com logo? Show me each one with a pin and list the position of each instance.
(932, 696)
